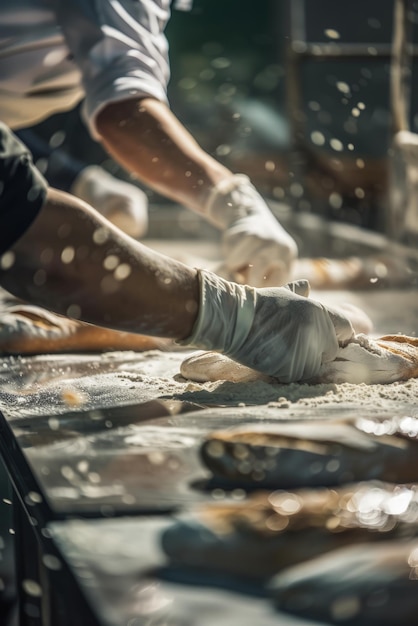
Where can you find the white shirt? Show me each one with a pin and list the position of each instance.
(52, 52)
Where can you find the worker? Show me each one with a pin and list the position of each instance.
(59, 253)
(114, 54)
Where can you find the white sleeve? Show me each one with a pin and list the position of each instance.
(120, 48)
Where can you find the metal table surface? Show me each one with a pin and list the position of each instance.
(122, 570)
(113, 455)
(106, 437)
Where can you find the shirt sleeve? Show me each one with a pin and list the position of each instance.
(22, 189)
(120, 47)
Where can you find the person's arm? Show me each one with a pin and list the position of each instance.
(74, 262)
(58, 252)
(145, 136)
(122, 53)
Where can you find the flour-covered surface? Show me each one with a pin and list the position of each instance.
(57, 383)
(121, 432)
(45, 384)
(156, 414)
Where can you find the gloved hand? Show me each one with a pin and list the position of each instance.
(123, 204)
(256, 248)
(276, 331)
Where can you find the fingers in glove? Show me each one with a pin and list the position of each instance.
(309, 346)
(260, 261)
(305, 361)
(301, 287)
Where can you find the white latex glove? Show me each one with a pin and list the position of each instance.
(275, 330)
(123, 204)
(256, 248)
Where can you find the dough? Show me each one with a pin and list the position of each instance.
(364, 360)
(261, 535)
(287, 455)
(374, 361)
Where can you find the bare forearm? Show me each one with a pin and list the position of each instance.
(76, 263)
(148, 140)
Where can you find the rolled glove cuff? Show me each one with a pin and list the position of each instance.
(226, 314)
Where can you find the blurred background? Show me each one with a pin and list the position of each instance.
(293, 93)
